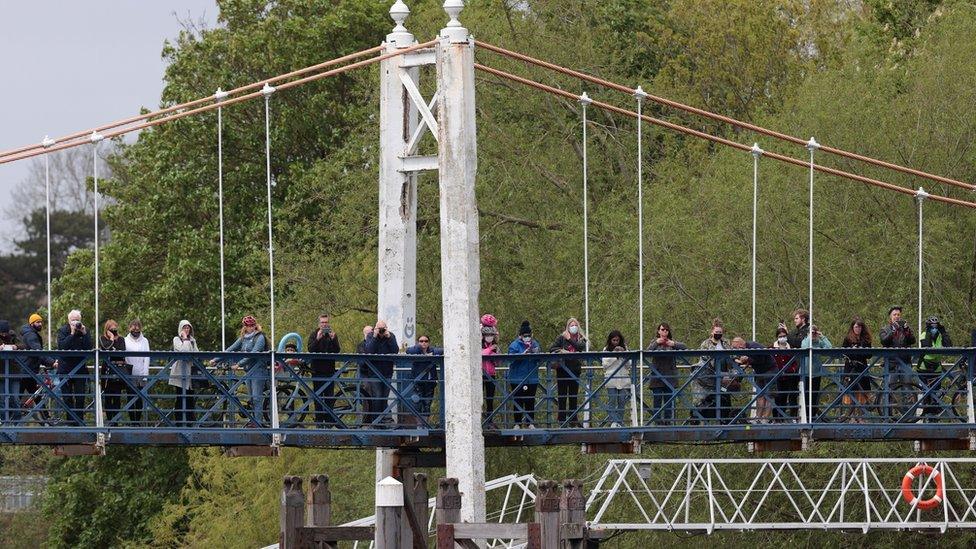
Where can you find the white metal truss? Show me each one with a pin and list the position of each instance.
(428, 122)
(705, 495)
(512, 496)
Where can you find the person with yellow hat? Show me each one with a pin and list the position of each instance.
(30, 336)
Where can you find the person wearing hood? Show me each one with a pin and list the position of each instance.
(30, 337)
(182, 373)
(110, 343)
(930, 365)
(618, 384)
(523, 376)
(73, 336)
(257, 371)
(568, 372)
(11, 387)
(137, 341)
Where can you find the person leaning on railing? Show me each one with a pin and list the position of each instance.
(137, 341)
(763, 369)
(711, 398)
(664, 378)
(257, 371)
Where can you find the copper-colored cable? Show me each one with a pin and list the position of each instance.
(224, 103)
(720, 140)
(725, 119)
(85, 133)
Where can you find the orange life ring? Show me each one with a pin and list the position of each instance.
(906, 487)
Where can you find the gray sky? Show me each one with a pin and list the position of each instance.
(72, 65)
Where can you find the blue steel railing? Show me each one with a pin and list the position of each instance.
(316, 399)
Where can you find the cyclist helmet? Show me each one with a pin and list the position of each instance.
(488, 320)
(932, 320)
(249, 321)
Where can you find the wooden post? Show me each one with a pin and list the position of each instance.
(389, 513)
(292, 512)
(447, 509)
(318, 510)
(572, 508)
(418, 501)
(547, 512)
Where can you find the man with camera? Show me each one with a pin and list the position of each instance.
(323, 340)
(380, 342)
(74, 336)
(897, 333)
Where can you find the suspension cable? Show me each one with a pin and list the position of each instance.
(95, 139)
(726, 119)
(584, 101)
(219, 96)
(635, 401)
(232, 101)
(267, 90)
(756, 153)
(721, 140)
(194, 103)
(47, 142)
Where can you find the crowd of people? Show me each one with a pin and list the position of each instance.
(776, 378)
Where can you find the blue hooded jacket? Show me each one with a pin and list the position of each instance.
(523, 370)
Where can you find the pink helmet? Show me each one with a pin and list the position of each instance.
(488, 320)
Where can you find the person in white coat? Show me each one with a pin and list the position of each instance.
(136, 341)
(182, 372)
(616, 370)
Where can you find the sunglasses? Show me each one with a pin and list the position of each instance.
(424, 341)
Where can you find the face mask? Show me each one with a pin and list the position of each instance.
(781, 341)
(527, 340)
(489, 339)
(135, 334)
(717, 337)
(574, 330)
(933, 331)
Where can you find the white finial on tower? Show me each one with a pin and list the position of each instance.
(454, 31)
(400, 37)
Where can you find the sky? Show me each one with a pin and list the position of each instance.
(72, 65)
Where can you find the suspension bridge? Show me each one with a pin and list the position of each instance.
(432, 402)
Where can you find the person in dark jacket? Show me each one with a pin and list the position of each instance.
(664, 376)
(568, 372)
(323, 340)
(10, 388)
(73, 371)
(523, 377)
(111, 380)
(30, 338)
(423, 375)
(930, 365)
(787, 392)
(801, 328)
(856, 376)
(377, 379)
(897, 333)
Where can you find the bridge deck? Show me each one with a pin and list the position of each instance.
(224, 399)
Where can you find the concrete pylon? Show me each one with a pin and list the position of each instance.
(460, 264)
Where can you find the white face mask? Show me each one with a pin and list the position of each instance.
(574, 329)
(781, 341)
(489, 339)
(527, 340)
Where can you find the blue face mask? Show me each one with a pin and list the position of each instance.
(933, 331)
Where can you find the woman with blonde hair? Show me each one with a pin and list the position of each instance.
(568, 371)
